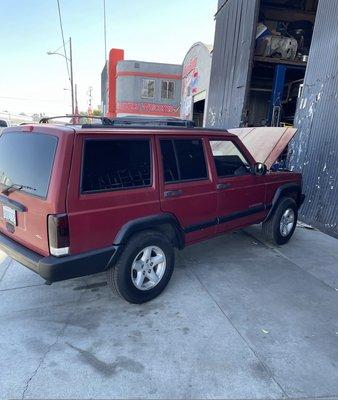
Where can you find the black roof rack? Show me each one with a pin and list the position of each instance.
(132, 120)
(75, 119)
(135, 121)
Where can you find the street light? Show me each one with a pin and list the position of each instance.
(70, 60)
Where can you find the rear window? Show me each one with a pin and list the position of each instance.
(115, 164)
(27, 159)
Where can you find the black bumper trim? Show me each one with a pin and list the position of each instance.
(54, 269)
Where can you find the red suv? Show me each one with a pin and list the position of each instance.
(80, 200)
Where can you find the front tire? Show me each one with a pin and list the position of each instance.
(280, 227)
(144, 267)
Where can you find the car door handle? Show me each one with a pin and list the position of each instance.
(222, 186)
(173, 193)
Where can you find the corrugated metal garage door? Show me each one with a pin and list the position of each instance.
(315, 147)
(231, 62)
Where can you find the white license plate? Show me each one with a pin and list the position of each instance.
(9, 214)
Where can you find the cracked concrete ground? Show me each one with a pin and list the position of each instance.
(239, 319)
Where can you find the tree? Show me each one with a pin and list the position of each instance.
(96, 112)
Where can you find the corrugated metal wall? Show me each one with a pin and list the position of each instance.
(315, 147)
(231, 62)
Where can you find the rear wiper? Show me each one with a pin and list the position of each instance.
(9, 189)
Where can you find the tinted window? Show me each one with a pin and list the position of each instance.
(183, 159)
(169, 161)
(228, 159)
(115, 164)
(27, 159)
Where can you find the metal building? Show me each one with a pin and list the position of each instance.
(231, 62)
(195, 83)
(244, 86)
(314, 151)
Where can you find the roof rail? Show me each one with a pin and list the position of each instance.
(75, 119)
(128, 121)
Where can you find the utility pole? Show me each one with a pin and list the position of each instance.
(76, 112)
(76, 103)
(71, 74)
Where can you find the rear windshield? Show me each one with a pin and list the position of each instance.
(26, 159)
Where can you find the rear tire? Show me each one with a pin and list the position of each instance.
(280, 227)
(144, 267)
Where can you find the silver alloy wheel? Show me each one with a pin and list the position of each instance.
(148, 268)
(287, 222)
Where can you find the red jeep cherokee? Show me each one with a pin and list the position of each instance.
(77, 201)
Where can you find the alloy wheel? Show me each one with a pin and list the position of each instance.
(148, 268)
(287, 222)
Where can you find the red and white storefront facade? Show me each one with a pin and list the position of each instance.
(140, 88)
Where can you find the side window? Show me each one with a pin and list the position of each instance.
(115, 164)
(148, 89)
(168, 88)
(183, 160)
(228, 158)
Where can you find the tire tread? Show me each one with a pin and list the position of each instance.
(270, 228)
(114, 271)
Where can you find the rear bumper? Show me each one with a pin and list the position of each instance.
(54, 269)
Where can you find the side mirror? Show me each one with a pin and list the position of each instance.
(3, 124)
(259, 169)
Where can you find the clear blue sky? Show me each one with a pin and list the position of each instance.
(150, 30)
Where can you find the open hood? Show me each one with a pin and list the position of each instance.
(265, 144)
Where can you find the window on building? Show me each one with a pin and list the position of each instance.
(168, 89)
(115, 164)
(228, 158)
(148, 89)
(183, 160)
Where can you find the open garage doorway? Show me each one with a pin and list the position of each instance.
(198, 112)
(282, 45)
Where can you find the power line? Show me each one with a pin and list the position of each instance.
(63, 38)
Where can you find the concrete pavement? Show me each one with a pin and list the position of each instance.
(240, 319)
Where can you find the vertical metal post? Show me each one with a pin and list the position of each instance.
(76, 112)
(277, 94)
(71, 75)
(76, 103)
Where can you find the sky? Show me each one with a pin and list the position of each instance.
(148, 30)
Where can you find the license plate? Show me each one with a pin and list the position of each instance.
(9, 214)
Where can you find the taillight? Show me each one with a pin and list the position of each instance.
(58, 234)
